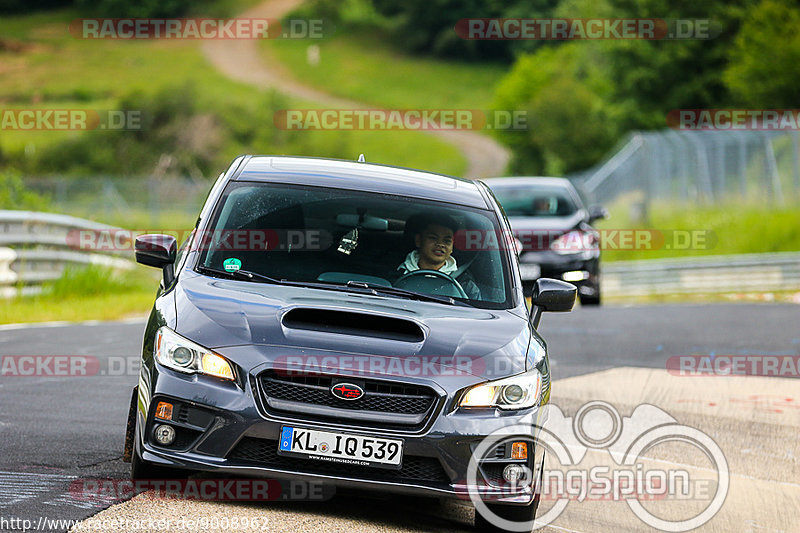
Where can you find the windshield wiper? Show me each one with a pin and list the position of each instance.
(372, 288)
(401, 292)
(241, 274)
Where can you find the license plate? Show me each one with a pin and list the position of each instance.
(530, 271)
(341, 448)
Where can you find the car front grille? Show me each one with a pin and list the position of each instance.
(264, 453)
(385, 404)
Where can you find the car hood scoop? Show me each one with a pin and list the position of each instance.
(352, 323)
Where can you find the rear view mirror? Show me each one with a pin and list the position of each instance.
(158, 251)
(363, 221)
(551, 295)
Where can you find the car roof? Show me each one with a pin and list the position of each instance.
(533, 181)
(368, 177)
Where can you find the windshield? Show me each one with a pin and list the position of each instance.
(357, 240)
(536, 201)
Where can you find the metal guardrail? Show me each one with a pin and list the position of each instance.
(713, 274)
(37, 247)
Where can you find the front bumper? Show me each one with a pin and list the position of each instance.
(582, 270)
(225, 428)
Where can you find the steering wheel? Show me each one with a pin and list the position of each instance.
(431, 281)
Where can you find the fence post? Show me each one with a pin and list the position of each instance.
(772, 169)
(796, 163)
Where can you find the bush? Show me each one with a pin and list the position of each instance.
(138, 8)
(24, 6)
(180, 135)
(14, 194)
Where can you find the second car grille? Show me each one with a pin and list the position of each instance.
(384, 404)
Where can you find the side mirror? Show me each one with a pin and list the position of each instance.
(158, 251)
(597, 212)
(551, 295)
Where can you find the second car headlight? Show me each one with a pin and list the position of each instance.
(183, 355)
(517, 392)
(575, 242)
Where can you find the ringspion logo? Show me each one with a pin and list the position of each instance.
(631, 473)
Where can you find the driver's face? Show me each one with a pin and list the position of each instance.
(435, 244)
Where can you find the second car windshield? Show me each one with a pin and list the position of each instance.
(535, 201)
(335, 236)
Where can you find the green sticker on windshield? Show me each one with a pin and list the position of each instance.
(232, 264)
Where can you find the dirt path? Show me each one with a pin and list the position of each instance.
(242, 61)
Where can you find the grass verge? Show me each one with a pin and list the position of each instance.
(92, 293)
(693, 231)
(361, 66)
(108, 306)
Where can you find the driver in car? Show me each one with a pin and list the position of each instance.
(434, 248)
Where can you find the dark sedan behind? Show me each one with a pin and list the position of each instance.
(551, 222)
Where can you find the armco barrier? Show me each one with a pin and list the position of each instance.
(713, 274)
(34, 248)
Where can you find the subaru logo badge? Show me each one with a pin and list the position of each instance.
(347, 391)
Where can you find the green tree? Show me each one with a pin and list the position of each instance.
(570, 122)
(764, 68)
(613, 86)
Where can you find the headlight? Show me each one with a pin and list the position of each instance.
(574, 242)
(183, 355)
(517, 392)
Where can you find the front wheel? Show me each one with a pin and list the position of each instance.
(590, 300)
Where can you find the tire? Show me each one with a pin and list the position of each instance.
(594, 299)
(590, 300)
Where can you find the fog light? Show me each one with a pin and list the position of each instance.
(519, 450)
(164, 411)
(165, 435)
(513, 473)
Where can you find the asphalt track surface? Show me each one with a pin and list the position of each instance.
(56, 431)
